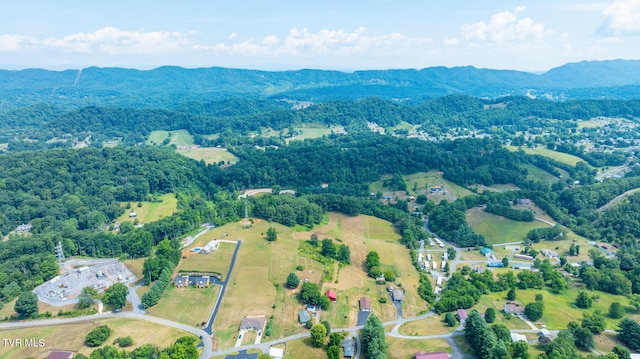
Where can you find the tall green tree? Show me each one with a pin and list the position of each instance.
(272, 234)
(292, 281)
(86, 297)
(583, 300)
(116, 295)
(318, 335)
(616, 310)
(27, 305)
(534, 310)
(490, 315)
(629, 333)
(374, 345)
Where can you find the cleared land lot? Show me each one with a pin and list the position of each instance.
(178, 137)
(189, 306)
(498, 229)
(215, 261)
(150, 211)
(71, 337)
(555, 155)
(262, 267)
(407, 348)
(210, 155)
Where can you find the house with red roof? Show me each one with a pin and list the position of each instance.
(333, 296)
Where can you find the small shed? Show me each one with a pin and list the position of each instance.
(333, 296)
(462, 315)
(365, 304)
(303, 316)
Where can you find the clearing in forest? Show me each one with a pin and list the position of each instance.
(148, 211)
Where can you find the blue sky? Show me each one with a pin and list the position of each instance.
(342, 35)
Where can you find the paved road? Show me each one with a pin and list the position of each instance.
(192, 239)
(134, 298)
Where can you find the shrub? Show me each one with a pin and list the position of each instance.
(124, 342)
(97, 336)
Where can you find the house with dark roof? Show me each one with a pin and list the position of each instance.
(303, 316)
(349, 346)
(365, 304)
(199, 281)
(333, 296)
(181, 281)
(432, 355)
(397, 294)
(253, 323)
(60, 354)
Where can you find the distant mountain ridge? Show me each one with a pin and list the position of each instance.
(168, 85)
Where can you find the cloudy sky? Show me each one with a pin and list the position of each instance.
(321, 34)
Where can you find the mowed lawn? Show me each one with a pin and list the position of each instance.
(150, 211)
(432, 325)
(498, 229)
(554, 155)
(210, 155)
(407, 348)
(217, 261)
(71, 337)
(189, 305)
(425, 180)
(309, 132)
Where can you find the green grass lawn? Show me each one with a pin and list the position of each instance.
(498, 229)
(560, 309)
(186, 305)
(151, 211)
(310, 132)
(210, 155)
(178, 137)
(407, 348)
(555, 155)
(539, 175)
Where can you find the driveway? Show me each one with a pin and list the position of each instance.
(209, 326)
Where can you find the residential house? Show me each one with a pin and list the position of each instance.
(276, 353)
(181, 281)
(515, 337)
(397, 294)
(513, 308)
(303, 316)
(253, 323)
(349, 346)
(199, 281)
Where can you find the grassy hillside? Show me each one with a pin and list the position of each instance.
(555, 155)
(150, 211)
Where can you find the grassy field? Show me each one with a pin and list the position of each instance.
(210, 155)
(178, 137)
(135, 266)
(423, 181)
(150, 211)
(302, 348)
(589, 124)
(186, 305)
(428, 326)
(262, 267)
(71, 337)
(309, 132)
(407, 348)
(539, 175)
(498, 229)
(555, 155)
(216, 261)
(560, 309)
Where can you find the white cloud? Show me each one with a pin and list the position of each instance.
(505, 27)
(451, 42)
(114, 41)
(232, 36)
(15, 43)
(325, 42)
(621, 17)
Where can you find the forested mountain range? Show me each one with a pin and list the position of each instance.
(168, 87)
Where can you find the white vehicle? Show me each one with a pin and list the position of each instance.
(429, 257)
(443, 265)
(435, 265)
(439, 282)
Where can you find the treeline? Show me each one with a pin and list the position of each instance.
(286, 209)
(511, 213)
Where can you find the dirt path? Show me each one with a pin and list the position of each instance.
(618, 199)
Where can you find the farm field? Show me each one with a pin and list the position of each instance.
(498, 229)
(302, 348)
(210, 155)
(71, 337)
(555, 155)
(189, 305)
(537, 174)
(309, 132)
(426, 180)
(150, 211)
